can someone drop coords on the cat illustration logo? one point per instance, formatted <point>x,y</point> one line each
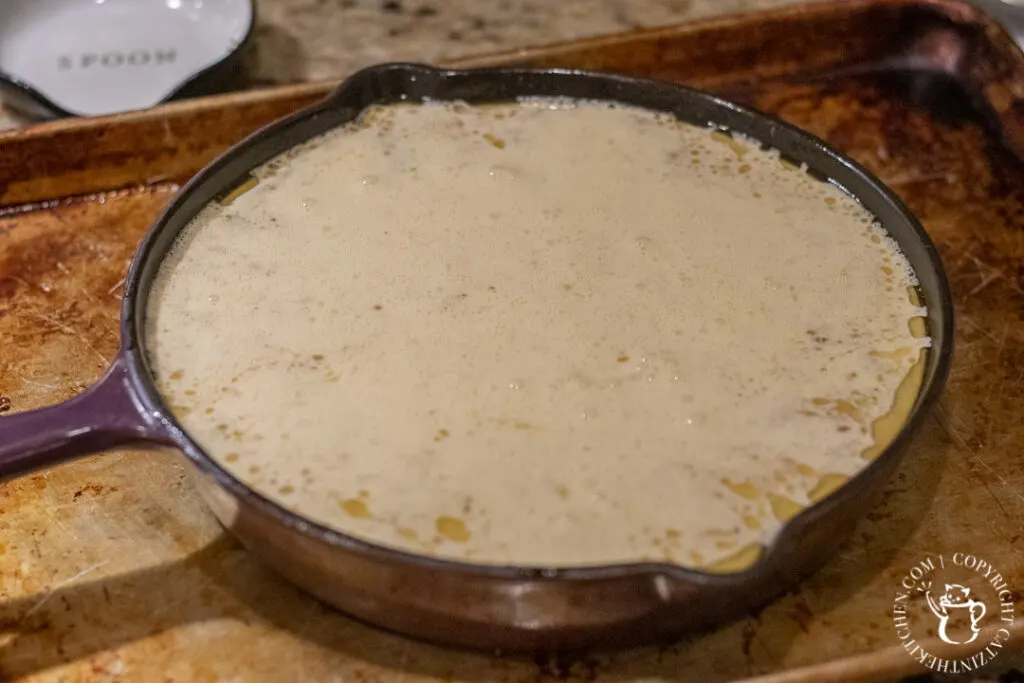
<point>956,597</point>
<point>972,603</point>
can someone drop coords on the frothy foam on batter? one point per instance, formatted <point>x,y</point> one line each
<point>541,333</point>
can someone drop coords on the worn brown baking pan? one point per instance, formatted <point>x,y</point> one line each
<point>134,580</point>
<point>514,608</point>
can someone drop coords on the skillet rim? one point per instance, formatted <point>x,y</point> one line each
<point>420,82</point>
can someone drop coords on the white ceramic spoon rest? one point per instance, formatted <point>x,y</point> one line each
<point>91,57</point>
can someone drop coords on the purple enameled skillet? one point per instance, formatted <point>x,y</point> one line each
<point>511,608</point>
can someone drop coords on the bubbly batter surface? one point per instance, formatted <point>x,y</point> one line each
<point>539,334</point>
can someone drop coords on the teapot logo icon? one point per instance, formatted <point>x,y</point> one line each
<point>955,601</point>
<point>959,608</point>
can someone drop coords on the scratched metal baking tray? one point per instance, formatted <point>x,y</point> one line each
<point>110,569</point>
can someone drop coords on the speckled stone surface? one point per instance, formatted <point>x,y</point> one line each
<point>304,40</point>
<point>323,39</point>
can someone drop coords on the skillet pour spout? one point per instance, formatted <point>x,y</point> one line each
<point>455,603</point>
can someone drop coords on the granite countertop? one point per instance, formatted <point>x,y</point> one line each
<point>308,40</point>
<point>323,39</point>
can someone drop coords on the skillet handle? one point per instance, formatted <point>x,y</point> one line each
<point>105,416</point>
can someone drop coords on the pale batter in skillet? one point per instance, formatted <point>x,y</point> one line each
<point>538,334</point>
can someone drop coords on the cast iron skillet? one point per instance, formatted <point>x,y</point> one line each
<point>510,608</point>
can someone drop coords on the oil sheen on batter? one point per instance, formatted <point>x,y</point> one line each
<point>539,334</point>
